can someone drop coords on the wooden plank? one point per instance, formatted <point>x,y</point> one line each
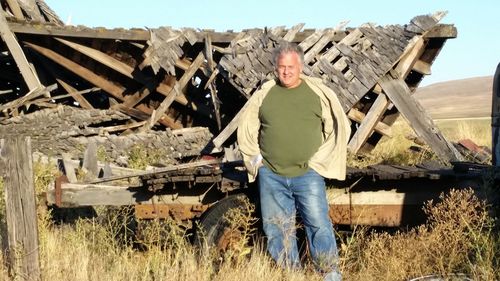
<point>311,40</point>
<point>290,34</point>
<point>75,195</point>
<point>409,58</point>
<point>380,127</point>
<point>103,58</point>
<point>113,89</point>
<point>17,53</point>
<point>121,127</point>
<point>79,32</point>
<point>90,161</point>
<point>400,95</point>
<point>442,31</point>
<point>16,10</point>
<point>20,208</point>
<point>69,167</point>
<point>369,122</point>
<point>422,67</point>
<point>75,94</point>
<point>211,71</point>
<point>30,7</point>
<point>322,42</point>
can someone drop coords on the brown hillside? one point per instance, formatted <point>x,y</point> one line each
<point>465,98</point>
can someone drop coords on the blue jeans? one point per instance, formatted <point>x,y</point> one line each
<point>280,198</point>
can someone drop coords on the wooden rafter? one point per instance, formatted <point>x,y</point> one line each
<point>399,93</point>
<point>17,53</point>
<point>130,72</point>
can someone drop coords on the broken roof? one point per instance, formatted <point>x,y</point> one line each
<point>185,78</point>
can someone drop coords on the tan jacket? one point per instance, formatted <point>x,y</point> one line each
<point>330,159</point>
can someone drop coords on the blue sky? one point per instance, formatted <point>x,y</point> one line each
<point>475,52</point>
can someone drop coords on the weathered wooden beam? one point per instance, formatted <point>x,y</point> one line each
<point>212,72</point>
<point>28,73</point>
<point>30,7</point>
<point>422,67</point>
<point>79,31</point>
<point>121,127</point>
<point>135,34</point>
<point>69,167</point>
<point>369,122</point>
<point>292,32</point>
<point>75,94</point>
<point>75,195</point>
<point>20,208</point>
<point>79,70</point>
<point>16,10</point>
<point>400,95</point>
<point>380,127</point>
<point>407,61</point>
<point>442,31</point>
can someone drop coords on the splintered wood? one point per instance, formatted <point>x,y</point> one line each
<point>168,79</point>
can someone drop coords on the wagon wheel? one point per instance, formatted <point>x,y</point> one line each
<point>218,229</point>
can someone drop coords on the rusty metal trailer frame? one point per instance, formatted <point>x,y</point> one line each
<point>380,195</point>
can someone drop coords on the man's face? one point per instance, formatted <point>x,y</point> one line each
<point>289,68</point>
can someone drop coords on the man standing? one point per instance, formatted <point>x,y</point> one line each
<point>293,133</point>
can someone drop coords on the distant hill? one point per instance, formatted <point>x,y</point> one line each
<point>464,98</point>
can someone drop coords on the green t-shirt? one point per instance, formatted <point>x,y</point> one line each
<point>290,130</point>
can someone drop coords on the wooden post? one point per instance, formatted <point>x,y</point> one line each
<point>21,209</point>
<point>495,117</point>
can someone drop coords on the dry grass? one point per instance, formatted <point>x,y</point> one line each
<point>400,148</point>
<point>405,148</point>
<point>477,130</point>
<point>459,237</point>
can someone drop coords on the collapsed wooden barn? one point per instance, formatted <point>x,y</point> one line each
<point>181,91</point>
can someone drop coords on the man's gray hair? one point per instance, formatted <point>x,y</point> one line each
<point>287,47</point>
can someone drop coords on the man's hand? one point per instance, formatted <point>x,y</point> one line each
<point>257,161</point>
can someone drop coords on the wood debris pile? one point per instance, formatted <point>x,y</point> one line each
<point>70,130</point>
<point>155,82</point>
